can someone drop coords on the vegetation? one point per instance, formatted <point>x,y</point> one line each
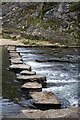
<point>74,7</point>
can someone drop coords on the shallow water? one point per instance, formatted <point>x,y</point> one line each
<point>61,78</point>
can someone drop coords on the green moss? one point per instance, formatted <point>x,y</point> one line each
<point>6,36</point>
<point>47,6</point>
<point>70,30</point>
<point>74,7</point>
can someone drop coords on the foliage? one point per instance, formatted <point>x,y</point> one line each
<point>74,7</point>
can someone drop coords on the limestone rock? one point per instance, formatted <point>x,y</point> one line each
<point>16,61</point>
<point>45,100</point>
<point>11,48</point>
<point>32,86</point>
<point>32,78</point>
<point>59,113</point>
<point>26,72</point>
<point>14,54</point>
<point>20,67</point>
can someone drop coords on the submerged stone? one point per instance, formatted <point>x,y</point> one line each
<point>20,67</point>
<point>27,78</point>
<point>26,72</point>
<point>54,60</point>
<point>45,100</point>
<point>32,86</point>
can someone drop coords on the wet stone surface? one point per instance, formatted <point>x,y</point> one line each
<point>20,67</point>
<point>26,72</point>
<point>14,55</point>
<point>59,113</point>
<point>11,48</point>
<point>32,86</point>
<point>27,78</point>
<point>45,100</point>
<point>16,61</point>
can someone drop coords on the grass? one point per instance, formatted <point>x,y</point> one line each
<point>6,36</point>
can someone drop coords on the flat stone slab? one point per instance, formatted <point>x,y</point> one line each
<point>26,72</point>
<point>54,60</point>
<point>52,113</point>
<point>27,78</point>
<point>32,86</point>
<point>14,55</point>
<point>20,67</point>
<point>11,48</point>
<point>16,61</point>
<point>13,51</point>
<point>45,100</point>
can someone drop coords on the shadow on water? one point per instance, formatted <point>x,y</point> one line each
<point>13,99</point>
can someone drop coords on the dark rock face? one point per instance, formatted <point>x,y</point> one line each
<point>49,21</point>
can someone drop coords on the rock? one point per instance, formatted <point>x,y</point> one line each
<point>14,55</point>
<point>14,58</point>
<point>11,48</point>
<point>19,67</point>
<point>13,36</point>
<point>32,86</point>
<point>55,60</point>
<point>38,52</point>
<point>52,113</point>
<point>26,72</point>
<point>45,100</point>
<point>13,51</point>
<point>16,61</point>
<point>32,78</point>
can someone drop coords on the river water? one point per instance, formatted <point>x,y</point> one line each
<point>62,78</point>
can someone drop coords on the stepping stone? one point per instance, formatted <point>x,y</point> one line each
<point>11,48</point>
<point>32,78</point>
<point>32,86</point>
<point>14,55</point>
<point>45,100</point>
<point>20,67</point>
<point>14,58</point>
<point>26,72</point>
<point>16,61</point>
<point>52,113</point>
<point>54,60</point>
<point>13,51</point>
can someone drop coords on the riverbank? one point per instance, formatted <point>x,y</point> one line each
<point>10,42</point>
<point>69,113</point>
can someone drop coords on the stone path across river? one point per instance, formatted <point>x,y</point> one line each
<point>40,99</point>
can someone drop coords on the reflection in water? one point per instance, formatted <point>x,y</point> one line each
<point>13,97</point>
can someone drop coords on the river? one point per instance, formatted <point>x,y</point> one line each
<point>62,78</point>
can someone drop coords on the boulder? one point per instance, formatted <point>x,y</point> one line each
<point>45,100</point>
<point>27,78</point>
<point>26,72</point>
<point>19,67</point>
<point>32,86</point>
